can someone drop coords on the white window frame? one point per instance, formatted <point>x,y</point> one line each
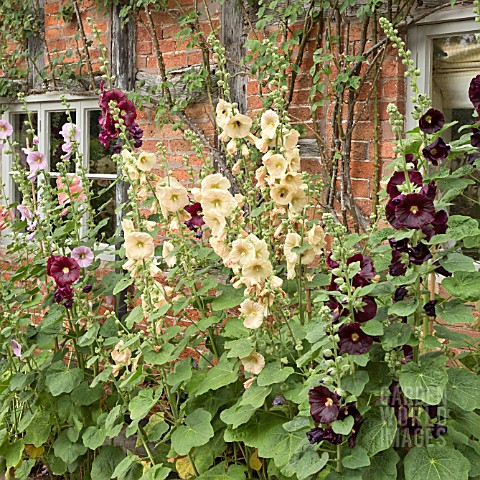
<point>450,21</point>
<point>42,105</point>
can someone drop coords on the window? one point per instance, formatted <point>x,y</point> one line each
<point>49,115</point>
<point>448,56</point>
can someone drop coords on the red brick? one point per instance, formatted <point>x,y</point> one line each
<point>52,8</point>
<point>175,60</point>
<point>361,188</point>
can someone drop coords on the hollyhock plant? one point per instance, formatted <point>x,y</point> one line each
<point>6,129</point>
<point>324,404</point>
<point>83,255</point>
<point>64,270</point>
<point>436,151</point>
<point>431,121</point>
<point>413,210</point>
<point>419,254</point>
<point>37,161</point>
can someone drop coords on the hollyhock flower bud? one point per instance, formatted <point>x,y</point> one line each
<point>431,121</point>
<point>429,308</point>
<point>87,288</point>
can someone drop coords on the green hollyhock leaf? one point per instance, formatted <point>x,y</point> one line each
<point>84,395</point>
<point>230,298</point>
<point>157,472</point>
<point>378,431</point>
<point>455,311</point>
<point>197,431</point>
<point>224,472</point>
<point>140,405</point>
<point>435,462</point>
<point>395,335</point>
<point>464,286</point>
<point>255,395</point>
<point>373,327</point>
<point>63,380</point>
<point>122,284</point>
<point>240,348</point>
<point>383,466</point>
<point>298,423</point>
<point>122,468</point>
<point>222,374</point>
<point>357,458</point>
<point>13,453</point>
<point>456,262</point>
<point>343,427</point>
<point>346,474</point>
<point>93,437</point>
<point>425,381</point>
<point>38,432</point>
<point>404,308</point>
<point>463,389</point>
<point>181,373</point>
<point>66,450</point>
<point>164,355</point>
<point>305,462</point>
<point>238,414</point>
<point>273,373</point>
<point>355,383</point>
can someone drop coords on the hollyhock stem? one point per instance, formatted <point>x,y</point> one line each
<point>339,458</point>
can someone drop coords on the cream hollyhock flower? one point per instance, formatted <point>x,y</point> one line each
<point>238,126</point>
<point>224,112</point>
<point>254,363</point>
<point>281,194</point>
<point>215,181</point>
<point>260,177</point>
<point>167,249</point>
<point>245,151</point>
<point>174,197</point>
<point>146,161</point>
<point>232,146</point>
<point>121,356</point>
<point>253,313</point>
<point>257,271</point>
<point>293,159</point>
<point>316,238</point>
<point>260,246</point>
<point>293,180</point>
<point>290,139</point>
<point>298,200</point>
<point>248,383</point>
<point>128,157</point>
<point>215,221</point>
<point>269,123</point>
<point>292,240</point>
<point>220,200</point>
<point>237,168</point>
<point>262,144</point>
<point>139,246</point>
<point>219,245</point>
<point>276,165</point>
<point>242,252</point>
<point>127,226</point>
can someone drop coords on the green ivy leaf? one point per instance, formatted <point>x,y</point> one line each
<point>38,432</point>
<point>181,373</point>
<point>63,381</point>
<point>223,471</point>
<point>378,431</point>
<point>13,453</point>
<point>122,284</point>
<point>425,381</point>
<point>197,431</point>
<point>463,389</point>
<point>404,308</point>
<point>305,462</point>
<point>238,414</point>
<point>140,405</point>
<point>157,472</point>
<point>435,462</point>
<point>255,395</point>
<point>373,327</point>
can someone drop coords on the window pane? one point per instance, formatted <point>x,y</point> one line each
<point>456,60</point>
<point>103,202</point>
<point>99,158</point>
<point>24,140</point>
<point>56,120</point>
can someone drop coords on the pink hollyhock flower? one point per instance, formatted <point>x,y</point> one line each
<point>6,129</point>
<point>70,132</point>
<point>35,140</point>
<point>4,217</point>
<point>37,161</point>
<point>25,213</point>
<point>83,255</point>
<point>75,188</point>
<point>64,270</point>
<point>16,348</point>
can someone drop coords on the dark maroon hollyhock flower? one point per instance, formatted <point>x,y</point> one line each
<point>412,427</point>
<point>432,410</point>
<point>127,112</point>
<point>431,121</point>
<point>414,210</point>
<point>397,267</point>
<point>87,288</point>
<point>439,225</point>
<point>398,178</point>
<point>400,294</point>
<point>474,93</point>
<point>323,404</point>
<point>137,134</point>
<point>396,398</point>
<point>50,261</point>
<point>63,293</point>
<point>353,340</point>
<point>438,430</point>
<point>419,254</point>
<point>69,303</point>
<point>108,96</point>
<point>315,435</point>
<point>407,351</point>
<point>331,263</point>
<point>399,245</point>
<point>350,410</point>
<point>410,158</point>
<point>391,215</point>
<point>65,271</point>
<point>367,270</point>
<point>429,308</point>
<point>475,139</point>
<point>196,220</point>
<point>429,190</point>
<point>367,311</point>
<point>440,270</point>
<point>436,151</point>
